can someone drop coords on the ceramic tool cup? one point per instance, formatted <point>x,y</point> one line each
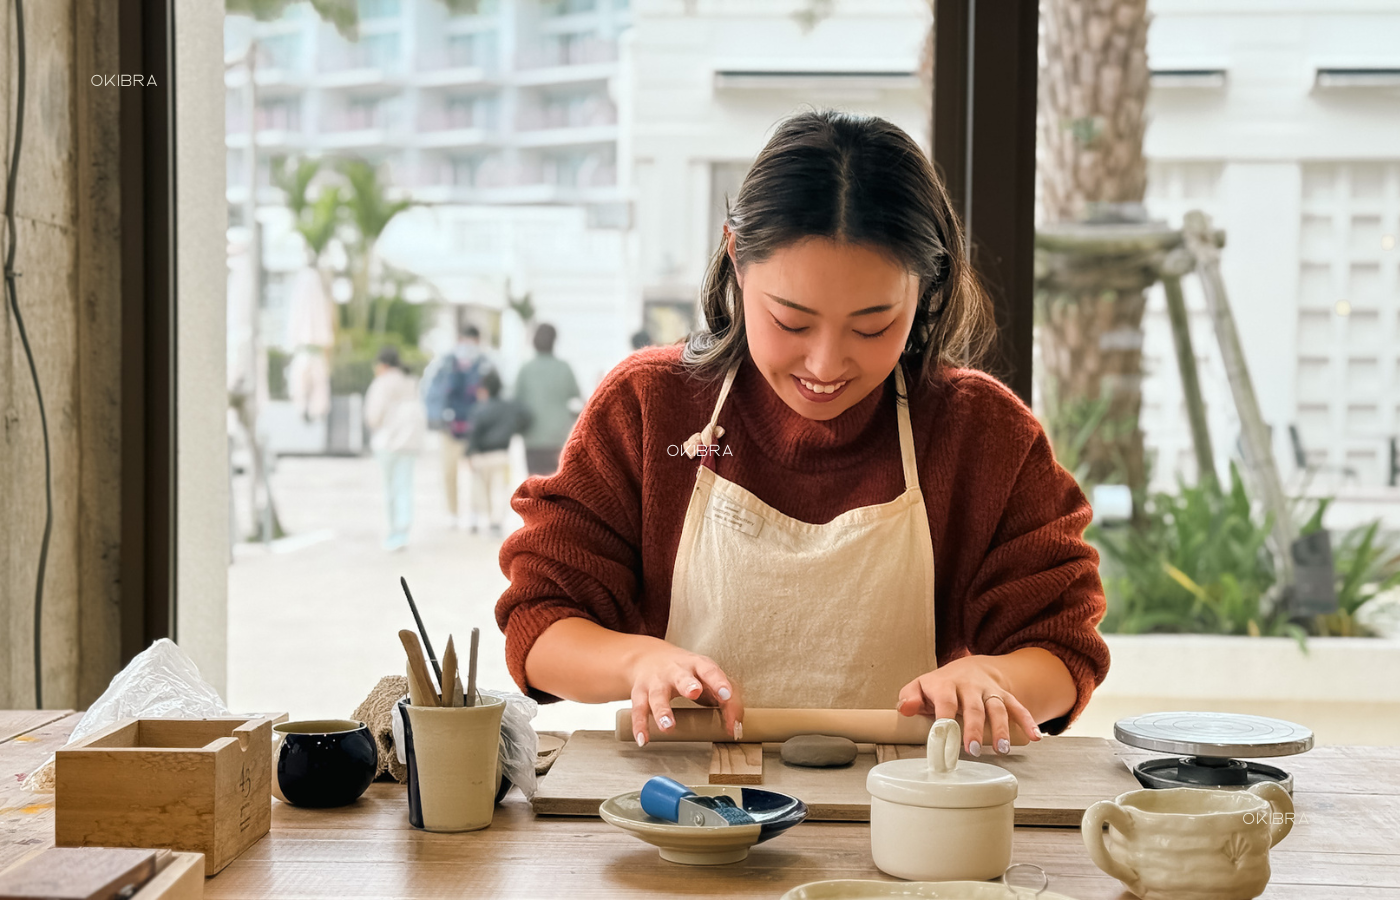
<point>453,764</point>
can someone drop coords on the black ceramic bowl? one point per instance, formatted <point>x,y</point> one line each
<point>326,762</point>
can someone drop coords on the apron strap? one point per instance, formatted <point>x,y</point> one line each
<point>906,431</point>
<point>712,431</point>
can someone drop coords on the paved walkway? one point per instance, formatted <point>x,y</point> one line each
<point>313,621</point>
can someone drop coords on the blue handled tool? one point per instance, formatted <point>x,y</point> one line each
<point>669,800</point>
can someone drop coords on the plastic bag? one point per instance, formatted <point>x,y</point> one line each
<point>519,744</point>
<point>160,681</point>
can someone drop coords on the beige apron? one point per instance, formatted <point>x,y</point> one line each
<point>836,616</point>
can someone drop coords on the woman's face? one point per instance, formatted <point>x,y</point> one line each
<point>826,321</point>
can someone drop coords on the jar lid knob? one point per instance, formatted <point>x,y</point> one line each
<point>944,745</point>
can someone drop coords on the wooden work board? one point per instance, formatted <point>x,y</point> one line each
<point>1059,777</point>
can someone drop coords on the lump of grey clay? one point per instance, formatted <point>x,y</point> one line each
<point>818,751</point>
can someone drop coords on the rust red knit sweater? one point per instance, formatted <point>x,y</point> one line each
<point>1011,567</point>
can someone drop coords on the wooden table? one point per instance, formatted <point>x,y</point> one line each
<point>1346,844</point>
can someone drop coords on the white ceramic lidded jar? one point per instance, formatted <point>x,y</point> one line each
<point>941,819</point>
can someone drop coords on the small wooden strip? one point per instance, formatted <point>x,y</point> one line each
<point>887,752</point>
<point>736,764</point>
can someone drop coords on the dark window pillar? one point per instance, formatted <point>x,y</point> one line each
<point>984,95</point>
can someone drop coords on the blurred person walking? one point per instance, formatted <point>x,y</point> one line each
<point>547,388</point>
<point>450,384</point>
<point>494,422</point>
<point>396,423</point>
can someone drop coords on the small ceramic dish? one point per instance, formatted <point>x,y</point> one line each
<point>712,845</point>
<point>915,890</point>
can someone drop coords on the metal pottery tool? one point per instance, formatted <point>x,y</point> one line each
<point>1211,740</point>
<point>420,683</point>
<point>470,693</point>
<point>423,632</point>
<point>669,800</point>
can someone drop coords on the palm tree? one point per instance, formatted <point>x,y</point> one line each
<point>1093,84</point>
<point>370,210</point>
<point>343,14</point>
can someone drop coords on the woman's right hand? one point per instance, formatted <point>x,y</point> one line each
<point>663,672</point>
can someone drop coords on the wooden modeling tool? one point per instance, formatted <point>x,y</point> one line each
<point>470,695</point>
<point>420,683</point>
<point>449,674</point>
<point>423,632</point>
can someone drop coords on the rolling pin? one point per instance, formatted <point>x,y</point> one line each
<point>864,726</point>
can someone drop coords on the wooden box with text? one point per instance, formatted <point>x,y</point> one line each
<point>194,785</point>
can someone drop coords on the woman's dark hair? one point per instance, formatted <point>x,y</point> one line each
<point>389,356</point>
<point>859,180</point>
<point>491,382</point>
<point>545,336</point>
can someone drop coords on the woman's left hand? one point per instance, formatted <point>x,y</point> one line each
<point>976,689</point>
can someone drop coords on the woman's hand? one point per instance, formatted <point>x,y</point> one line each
<point>976,688</point>
<point>663,672</point>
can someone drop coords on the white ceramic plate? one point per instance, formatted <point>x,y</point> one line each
<point>915,890</point>
<point>707,845</point>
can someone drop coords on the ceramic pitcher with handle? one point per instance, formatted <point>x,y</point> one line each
<point>1189,843</point>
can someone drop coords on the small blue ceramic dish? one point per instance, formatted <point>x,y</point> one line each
<point>708,845</point>
<point>322,763</point>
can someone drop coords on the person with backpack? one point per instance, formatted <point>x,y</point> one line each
<point>450,395</point>
<point>493,423</point>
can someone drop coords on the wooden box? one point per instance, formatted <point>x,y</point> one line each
<point>195,785</point>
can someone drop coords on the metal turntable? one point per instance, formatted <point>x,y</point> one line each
<point>1212,741</point>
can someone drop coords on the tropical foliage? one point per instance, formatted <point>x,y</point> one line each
<point>1197,563</point>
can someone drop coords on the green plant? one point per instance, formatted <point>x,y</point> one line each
<point>1196,563</point>
<point>1366,561</point>
<point>369,209</point>
<point>316,219</point>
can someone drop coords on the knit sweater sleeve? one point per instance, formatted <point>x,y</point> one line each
<point>577,553</point>
<point>1038,584</point>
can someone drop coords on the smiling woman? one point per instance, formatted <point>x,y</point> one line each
<point>795,566</point>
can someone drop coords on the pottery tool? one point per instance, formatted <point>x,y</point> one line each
<point>670,801</point>
<point>427,644</point>
<point>1211,740</point>
<point>469,696</point>
<point>420,683</point>
<point>450,695</point>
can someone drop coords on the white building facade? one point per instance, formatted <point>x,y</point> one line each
<point>709,80</point>
<point>1282,121</point>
